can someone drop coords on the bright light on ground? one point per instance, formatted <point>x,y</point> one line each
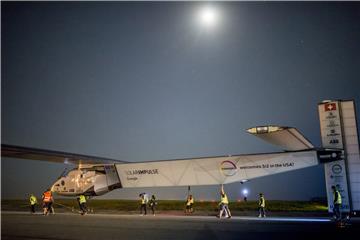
<point>208,16</point>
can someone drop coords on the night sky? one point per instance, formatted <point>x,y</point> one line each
<point>140,81</point>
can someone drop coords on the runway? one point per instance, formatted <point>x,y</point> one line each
<point>66,226</point>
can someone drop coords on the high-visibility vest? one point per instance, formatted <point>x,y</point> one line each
<point>82,199</point>
<point>224,199</point>
<point>190,201</point>
<point>47,196</point>
<point>33,200</point>
<point>338,195</point>
<point>262,202</point>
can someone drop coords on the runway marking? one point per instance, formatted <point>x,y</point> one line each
<point>163,216</point>
<point>285,219</point>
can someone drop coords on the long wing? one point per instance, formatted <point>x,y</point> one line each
<point>52,156</point>
<point>218,170</point>
<point>184,172</point>
<point>288,138</point>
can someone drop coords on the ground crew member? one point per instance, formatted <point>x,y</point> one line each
<point>189,204</point>
<point>143,204</point>
<point>152,204</point>
<point>261,205</point>
<point>33,202</point>
<point>82,202</point>
<point>224,204</point>
<point>337,203</point>
<point>47,201</point>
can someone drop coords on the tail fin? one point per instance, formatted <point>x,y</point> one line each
<point>288,138</point>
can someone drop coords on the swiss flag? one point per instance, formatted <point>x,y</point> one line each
<point>330,107</point>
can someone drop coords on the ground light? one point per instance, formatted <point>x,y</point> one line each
<point>208,16</point>
<point>245,192</point>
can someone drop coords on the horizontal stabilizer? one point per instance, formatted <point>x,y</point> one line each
<point>287,138</point>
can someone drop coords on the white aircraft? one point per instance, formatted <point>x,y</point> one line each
<point>94,176</point>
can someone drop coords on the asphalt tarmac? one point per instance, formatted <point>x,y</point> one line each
<point>66,226</point>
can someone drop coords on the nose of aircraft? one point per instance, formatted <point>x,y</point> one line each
<point>56,186</point>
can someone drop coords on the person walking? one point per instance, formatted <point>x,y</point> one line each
<point>337,203</point>
<point>152,204</point>
<point>82,202</point>
<point>189,204</point>
<point>261,205</point>
<point>33,202</point>
<point>143,204</point>
<point>224,204</point>
<point>47,199</point>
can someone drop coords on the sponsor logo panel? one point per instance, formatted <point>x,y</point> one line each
<point>228,168</point>
<point>331,133</point>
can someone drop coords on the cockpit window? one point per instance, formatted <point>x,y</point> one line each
<point>98,169</point>
<point>62,182</point>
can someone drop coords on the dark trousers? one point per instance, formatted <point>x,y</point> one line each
<point>337,212</point>
<point>83,207</point>
<point>189,208</point>
<point>143,206</point>
<point>227,210</point>
<point>49,207</point>
<point>32,207</point>
<point>261,211</point>
<point>153,209</point>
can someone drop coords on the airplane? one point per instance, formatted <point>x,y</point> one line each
<point>95,176</point>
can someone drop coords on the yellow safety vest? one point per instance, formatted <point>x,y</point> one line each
<point>224,200</point>
<point>262,202</point>
<point>338,201</point>
<point>33,200</point>
<point>190,201</point>
<point>82,199</point>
